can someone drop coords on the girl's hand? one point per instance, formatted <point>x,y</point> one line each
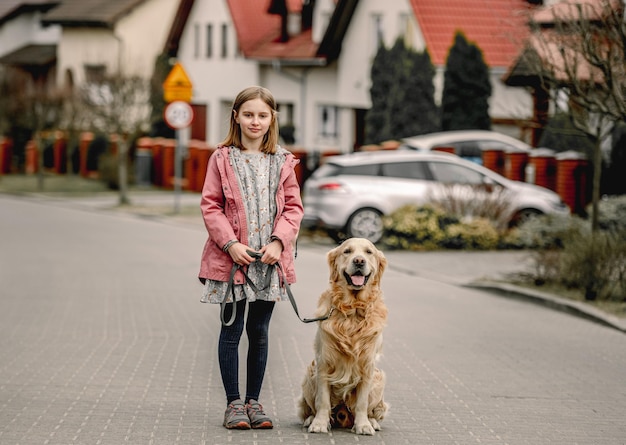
<point>271,252</point>
<point>238,252</point>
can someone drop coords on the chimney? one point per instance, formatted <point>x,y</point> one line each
<point>279,7</point>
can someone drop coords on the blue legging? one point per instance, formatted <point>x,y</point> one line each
<point>257,330</point>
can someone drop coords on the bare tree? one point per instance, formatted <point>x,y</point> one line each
<point>121,106</point>
<point>577,49</point>
<point>38,107</point>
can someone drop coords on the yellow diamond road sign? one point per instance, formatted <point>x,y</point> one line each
<point>177,85</point>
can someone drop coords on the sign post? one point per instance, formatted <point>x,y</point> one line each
<point>178,114</point>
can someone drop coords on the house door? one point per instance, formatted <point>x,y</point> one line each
<point>198,126</point>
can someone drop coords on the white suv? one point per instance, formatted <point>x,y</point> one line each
<point>348,195</point>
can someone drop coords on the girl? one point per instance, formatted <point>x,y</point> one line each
<point>250,203</point>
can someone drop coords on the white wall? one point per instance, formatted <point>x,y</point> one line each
<point>216,80</point>
<point>85,46</point>
<point>359,46</point>
<point>24,30</point>
<point>143,33</point>
<point>132,46</point>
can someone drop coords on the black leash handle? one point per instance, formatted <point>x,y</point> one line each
<point>268,276</point>
<point>230,288</point>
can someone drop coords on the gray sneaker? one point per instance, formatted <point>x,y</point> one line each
<point>258,418</point>
<point>235,417</point>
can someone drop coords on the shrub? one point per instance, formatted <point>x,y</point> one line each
<point>469,202</point>
<point>430,227</point>
<point>478,233</point>
<point>596,264</point>
<point>547,266</point>
<point>550,231</point>
<point>611,213</point>
<point>569,254</point>
<point>415,228</point>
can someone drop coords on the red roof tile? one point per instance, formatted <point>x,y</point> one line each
<point>498,27</point>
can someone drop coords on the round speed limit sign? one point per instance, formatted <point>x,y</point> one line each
<point>178,114</point>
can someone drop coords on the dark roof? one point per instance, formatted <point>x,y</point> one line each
<point>330,47</point>
<point>97,13</point>
<point>172,42</point>
<point>32,55</point>
<point>10,9</point>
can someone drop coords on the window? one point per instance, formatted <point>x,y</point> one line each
<point>224,40</point>
<point>451,173</point>
<point>468,149</point>
<point>329,169</point>
<point>196,40</point>
<point>95,73</point>
<point>328,116</point>
<point>209,41</point>
<point>376,34</point>
<point>97,90</point>
<point>406,29</point>
<point>285,113</point>
<point>408,170</point>
<point>362,170</point>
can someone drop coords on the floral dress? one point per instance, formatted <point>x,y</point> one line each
<point>258,175</point>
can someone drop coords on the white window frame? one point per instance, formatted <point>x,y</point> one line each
<point>328,121</point>
<point>376,33</point>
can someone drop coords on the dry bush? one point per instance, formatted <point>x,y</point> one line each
<point>469,202</point>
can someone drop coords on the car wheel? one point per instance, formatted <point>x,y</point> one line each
<point>524,215</point>
<point>366,223</point>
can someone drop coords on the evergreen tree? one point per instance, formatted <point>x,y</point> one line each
<point>466,91</point>
<point>377,117</point>
<point>402,95</point>
<point>422,112</point>
<point>401,67</point>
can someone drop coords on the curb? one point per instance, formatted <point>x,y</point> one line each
<point>571,307</point>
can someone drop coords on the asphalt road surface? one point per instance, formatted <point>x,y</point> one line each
<point>103,340</point>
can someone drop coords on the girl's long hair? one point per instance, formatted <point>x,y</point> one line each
<point>270,140</point>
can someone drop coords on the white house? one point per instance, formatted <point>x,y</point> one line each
<point>26,46</point>
<point>320,74</point>
<point>119,37</point>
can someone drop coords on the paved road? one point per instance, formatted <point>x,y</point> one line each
<point>103,341</point>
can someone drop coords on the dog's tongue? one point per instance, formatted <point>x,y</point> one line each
<point>358,280</point>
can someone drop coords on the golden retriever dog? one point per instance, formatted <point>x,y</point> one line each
<point>342,386</point>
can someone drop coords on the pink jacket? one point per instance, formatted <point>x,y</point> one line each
<point>225,217</point>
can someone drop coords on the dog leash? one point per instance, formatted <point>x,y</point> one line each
<point>230,288</point>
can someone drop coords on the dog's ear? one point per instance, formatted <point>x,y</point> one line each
<point>331,257</point>
<point>382,265</point>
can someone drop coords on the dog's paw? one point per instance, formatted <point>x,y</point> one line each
<point>308,421</point>
<point>364,428</point>
<point>319,425</point>
<point>374,423</point>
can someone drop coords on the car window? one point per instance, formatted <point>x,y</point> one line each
<point>468,149</point>
<point>452,173</point>
<point>361,170</point>
<point>495,145</point>
<point>410,170</point>
<point>326,170</point>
